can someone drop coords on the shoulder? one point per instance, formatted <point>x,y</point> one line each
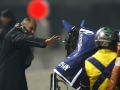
<point>88,63</point>
<point>15,30</point>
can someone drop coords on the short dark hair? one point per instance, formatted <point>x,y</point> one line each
<point>28,19</point>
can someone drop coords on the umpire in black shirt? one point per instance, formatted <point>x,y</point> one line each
<point>16,56</point>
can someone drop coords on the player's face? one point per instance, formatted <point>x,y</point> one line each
<point>31,27</point>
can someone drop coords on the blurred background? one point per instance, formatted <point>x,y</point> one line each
<point>97,13</point>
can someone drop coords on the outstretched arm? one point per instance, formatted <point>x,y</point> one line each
<point>19,38</point>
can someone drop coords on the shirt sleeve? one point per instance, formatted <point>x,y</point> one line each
<point>20,38</point>
<point>84,81</point>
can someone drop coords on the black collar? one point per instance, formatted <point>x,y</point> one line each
<point>18,25</point>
